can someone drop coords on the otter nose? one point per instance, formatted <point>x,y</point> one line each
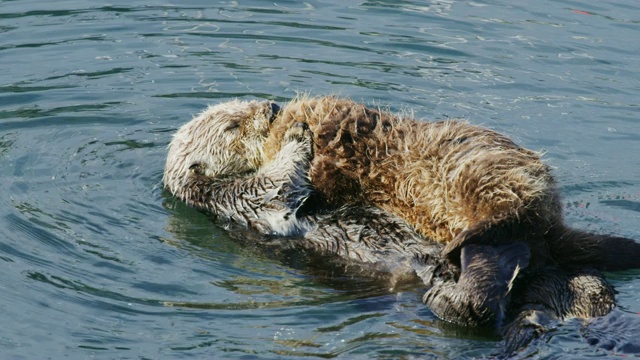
<point>275,109</point>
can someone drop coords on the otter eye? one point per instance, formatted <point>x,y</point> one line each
<point>232,126</point>
<point>196,168</point>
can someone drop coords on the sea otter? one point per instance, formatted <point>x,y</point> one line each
<point>214,164</point>
<point>453,182</point>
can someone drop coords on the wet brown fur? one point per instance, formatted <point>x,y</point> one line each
<point>450,180</point>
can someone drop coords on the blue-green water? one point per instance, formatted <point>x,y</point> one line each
<point>97,262</point>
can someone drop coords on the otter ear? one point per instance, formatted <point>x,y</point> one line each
<point>275,110</point>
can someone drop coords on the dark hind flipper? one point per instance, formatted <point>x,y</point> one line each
<point>481,294</point>
<point>574,249</point>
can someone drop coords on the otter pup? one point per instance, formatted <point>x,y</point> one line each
<point>454,182</point>
<point>213,164</point>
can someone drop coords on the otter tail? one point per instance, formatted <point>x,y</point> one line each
<point>575,248</point>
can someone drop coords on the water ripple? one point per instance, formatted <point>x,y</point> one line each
<point>100,262</point>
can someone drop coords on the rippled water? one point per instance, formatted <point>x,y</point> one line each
<point>97,261</point>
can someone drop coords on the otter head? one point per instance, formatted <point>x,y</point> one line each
<point>224,140</point>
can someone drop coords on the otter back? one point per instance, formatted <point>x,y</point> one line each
<point>444,178</point>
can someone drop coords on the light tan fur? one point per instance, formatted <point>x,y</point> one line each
<point>224,140</point>
<point>213,161</point>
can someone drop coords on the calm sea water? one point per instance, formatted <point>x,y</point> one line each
<point>97,262</point>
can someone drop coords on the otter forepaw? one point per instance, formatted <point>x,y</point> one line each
<point>300,133</point>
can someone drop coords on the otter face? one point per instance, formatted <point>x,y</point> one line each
<point>224,140</point>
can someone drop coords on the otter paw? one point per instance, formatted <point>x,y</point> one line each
<point>297,132</point>
<point>301,133</point>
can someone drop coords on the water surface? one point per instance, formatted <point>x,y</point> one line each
<point>98,262</point>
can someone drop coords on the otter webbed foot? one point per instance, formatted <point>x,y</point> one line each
<point>480,296</point>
